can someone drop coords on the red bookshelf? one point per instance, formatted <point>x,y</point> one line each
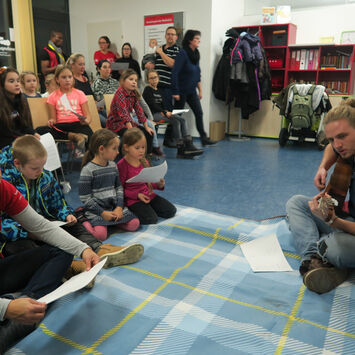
<point>329,65</point>
<point>275,39</point>
<point>322,64</point>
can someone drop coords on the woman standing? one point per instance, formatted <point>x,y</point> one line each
<point>127,58</point>
<point>104,52</point>
<point>77,63</point>
<point>186,76</point>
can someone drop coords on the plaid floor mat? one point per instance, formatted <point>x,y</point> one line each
<point>194,293</point>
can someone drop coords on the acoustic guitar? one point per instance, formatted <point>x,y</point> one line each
<point>337,188</point>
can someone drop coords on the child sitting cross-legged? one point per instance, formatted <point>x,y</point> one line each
<point>100,187</point>
<point>139,196</point>
<point>22,166</point>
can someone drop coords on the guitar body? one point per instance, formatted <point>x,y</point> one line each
<point>339,183</point>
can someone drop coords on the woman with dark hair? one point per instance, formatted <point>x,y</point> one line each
<point>104,52</point>
<point>15,115</point>
<point>104,84</point>
<point>186,77</point>
<point>127,58</point>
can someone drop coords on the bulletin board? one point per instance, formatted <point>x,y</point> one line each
<point>156,25</point>
<point>347,37</point>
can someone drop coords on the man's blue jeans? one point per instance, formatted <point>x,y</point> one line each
<point>310,235</point>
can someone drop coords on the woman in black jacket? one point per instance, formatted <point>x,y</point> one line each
<point>126,58</point>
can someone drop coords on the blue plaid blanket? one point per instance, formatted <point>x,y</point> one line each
<point>193,292</point>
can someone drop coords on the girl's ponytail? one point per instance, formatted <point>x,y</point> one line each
<point>101,137</point>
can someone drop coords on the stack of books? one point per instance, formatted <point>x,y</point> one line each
<point>304,59</point>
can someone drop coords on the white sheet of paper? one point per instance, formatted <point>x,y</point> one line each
<point>53,159</point>
<point>75,283</point>
<point>153,174</point>
<point>65,102</point>
<point>177,112</point>
<point>265,254</point>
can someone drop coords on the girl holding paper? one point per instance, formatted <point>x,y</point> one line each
<point>139,196</point>
<point>68,110</point>
<point>100,189</point>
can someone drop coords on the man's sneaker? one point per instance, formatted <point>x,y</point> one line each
<point>77,267</point>
<point>120,255</point>
<point>324,279</point>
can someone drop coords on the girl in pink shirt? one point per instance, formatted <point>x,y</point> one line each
<point>65,123</point>
<point>139,196</point>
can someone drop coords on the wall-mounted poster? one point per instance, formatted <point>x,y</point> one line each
<point>7,40</point>
<point>155,26</point>
<point>347,37</point>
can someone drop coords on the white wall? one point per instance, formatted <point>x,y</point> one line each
<point>225,14</point>
<point>315,22</point>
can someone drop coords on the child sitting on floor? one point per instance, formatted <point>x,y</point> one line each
<point>139,196</point>
<point>22,166</point>
<point>100,188</point>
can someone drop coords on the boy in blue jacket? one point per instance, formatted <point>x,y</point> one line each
<point>22,166</point>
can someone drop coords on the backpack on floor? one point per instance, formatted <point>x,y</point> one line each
<point>302,114</point>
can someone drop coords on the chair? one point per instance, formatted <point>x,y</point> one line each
<point>40,116</point>
<point>95,118</point>
<point>108,99</point>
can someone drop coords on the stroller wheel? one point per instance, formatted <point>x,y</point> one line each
<point>321,140</point>
<point>283,137</point>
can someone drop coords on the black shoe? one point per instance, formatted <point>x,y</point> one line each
<point>157,151</point>
<point>324,279</point>
<point>208,141</point>
<point>181,151</point>
<point>12,332</point>
<point>189,147</point>
<point>169,142</point>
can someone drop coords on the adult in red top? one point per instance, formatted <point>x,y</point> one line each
<point>36,271</point>
<point>104,53</point>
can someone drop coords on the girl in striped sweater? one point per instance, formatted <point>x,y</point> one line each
<point>100,188</point>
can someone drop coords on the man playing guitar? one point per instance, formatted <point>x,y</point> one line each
<point>323,234</point>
